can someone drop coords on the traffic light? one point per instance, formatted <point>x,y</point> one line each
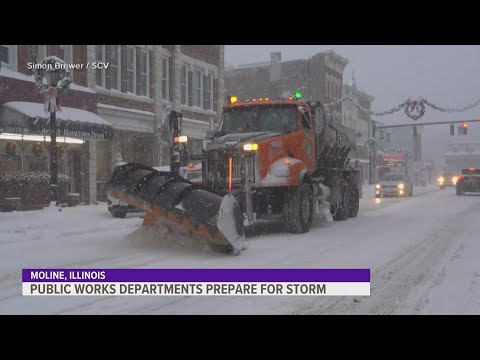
<point>452,129</point>
<point>381,135</point>
<point>465,128</point>
<point>414,131</point>
<point>388,137</point>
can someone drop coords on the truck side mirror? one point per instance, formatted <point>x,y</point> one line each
<point>211,133</point>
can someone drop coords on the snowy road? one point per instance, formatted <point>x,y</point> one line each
<point>422,252</point>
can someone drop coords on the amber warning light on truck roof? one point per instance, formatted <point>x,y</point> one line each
<point>232,99</point>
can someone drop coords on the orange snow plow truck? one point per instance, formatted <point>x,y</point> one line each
<point>269,161</point>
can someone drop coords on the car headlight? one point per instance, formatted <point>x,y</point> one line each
<point>441,179</point>
<point>377,186</point>
<point>454,179</point>
<point>401,186</point>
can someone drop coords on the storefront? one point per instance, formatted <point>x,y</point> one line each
<point>81,139</point>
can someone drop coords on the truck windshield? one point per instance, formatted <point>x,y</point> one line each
<point>392,177</point>
<point>275,118</point>
<point>471,171</point>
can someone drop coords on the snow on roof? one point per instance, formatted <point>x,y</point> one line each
<point>257,64</point>
<point>69,114</point>
<point>81,88</point>
<point>24,77</point>
<point>16,75</point>
<point>54,58</point>
<point>201,122</point>
<point>113,107</point>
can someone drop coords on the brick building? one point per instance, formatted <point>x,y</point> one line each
<point>132,95</point>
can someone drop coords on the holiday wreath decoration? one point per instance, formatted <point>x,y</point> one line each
<point>50,64</point>
<point>38,149</point>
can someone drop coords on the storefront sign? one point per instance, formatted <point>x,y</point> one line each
<point>93,135</point>
<point>394,160</point>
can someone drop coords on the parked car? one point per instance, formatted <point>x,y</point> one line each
<point>394,185</point>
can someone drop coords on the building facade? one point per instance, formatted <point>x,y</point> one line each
<point>463,149</point>
<point>133,95</point>
<point>359,120</point>
<point>317,78</point>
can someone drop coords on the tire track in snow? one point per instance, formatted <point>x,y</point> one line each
<point>392,282</point>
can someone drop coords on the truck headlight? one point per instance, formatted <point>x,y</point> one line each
<point>401,186</point>
<point>454,179</point>
<point>377,186</point>
<point>250,147</point>
<point>180,139</point>
<point>441,179</point>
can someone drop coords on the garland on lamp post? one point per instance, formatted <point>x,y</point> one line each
<point>413,108</point>
<point>48,65</point>
<point>52,79</point>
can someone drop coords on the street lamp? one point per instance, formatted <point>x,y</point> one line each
<point>371,143</point>
<point>51,81</point>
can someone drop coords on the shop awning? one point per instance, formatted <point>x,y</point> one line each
<point>195,129</point>
<point>20,117</point>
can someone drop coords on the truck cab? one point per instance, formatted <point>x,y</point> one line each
<point>275,154</point>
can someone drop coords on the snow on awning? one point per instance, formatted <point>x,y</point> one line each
<point>195,129</point>
<point>28,117</point>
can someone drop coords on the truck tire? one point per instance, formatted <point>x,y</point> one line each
<point>354,203</point>
<point>459,191</point>
<point>119,214</point>
<point>298,209</point>
<point>343,208</point>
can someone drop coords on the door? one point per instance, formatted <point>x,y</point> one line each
<point>74,169</point>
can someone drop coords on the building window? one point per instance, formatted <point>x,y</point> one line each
<point>143,86</point>
<point>131,69</point>
<point>39,53</point>
<point>99,73</point>
<point>208,100</point>
<point>184,84</point>
<point>98,57</point>
<point>8,56</point>
<point>113,71</point>
<point>197,88</point>
<point>34,53</point>
<point>165,79</point>
<point>65,52</point>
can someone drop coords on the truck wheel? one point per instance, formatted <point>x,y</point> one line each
<point>343,208</point>
<point>354,203</point>
<point>298,209</point>
<point>119,214</point>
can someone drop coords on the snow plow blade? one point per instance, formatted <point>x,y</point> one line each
<point>166,196</point>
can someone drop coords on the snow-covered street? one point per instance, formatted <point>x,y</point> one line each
<point>422,252</point>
